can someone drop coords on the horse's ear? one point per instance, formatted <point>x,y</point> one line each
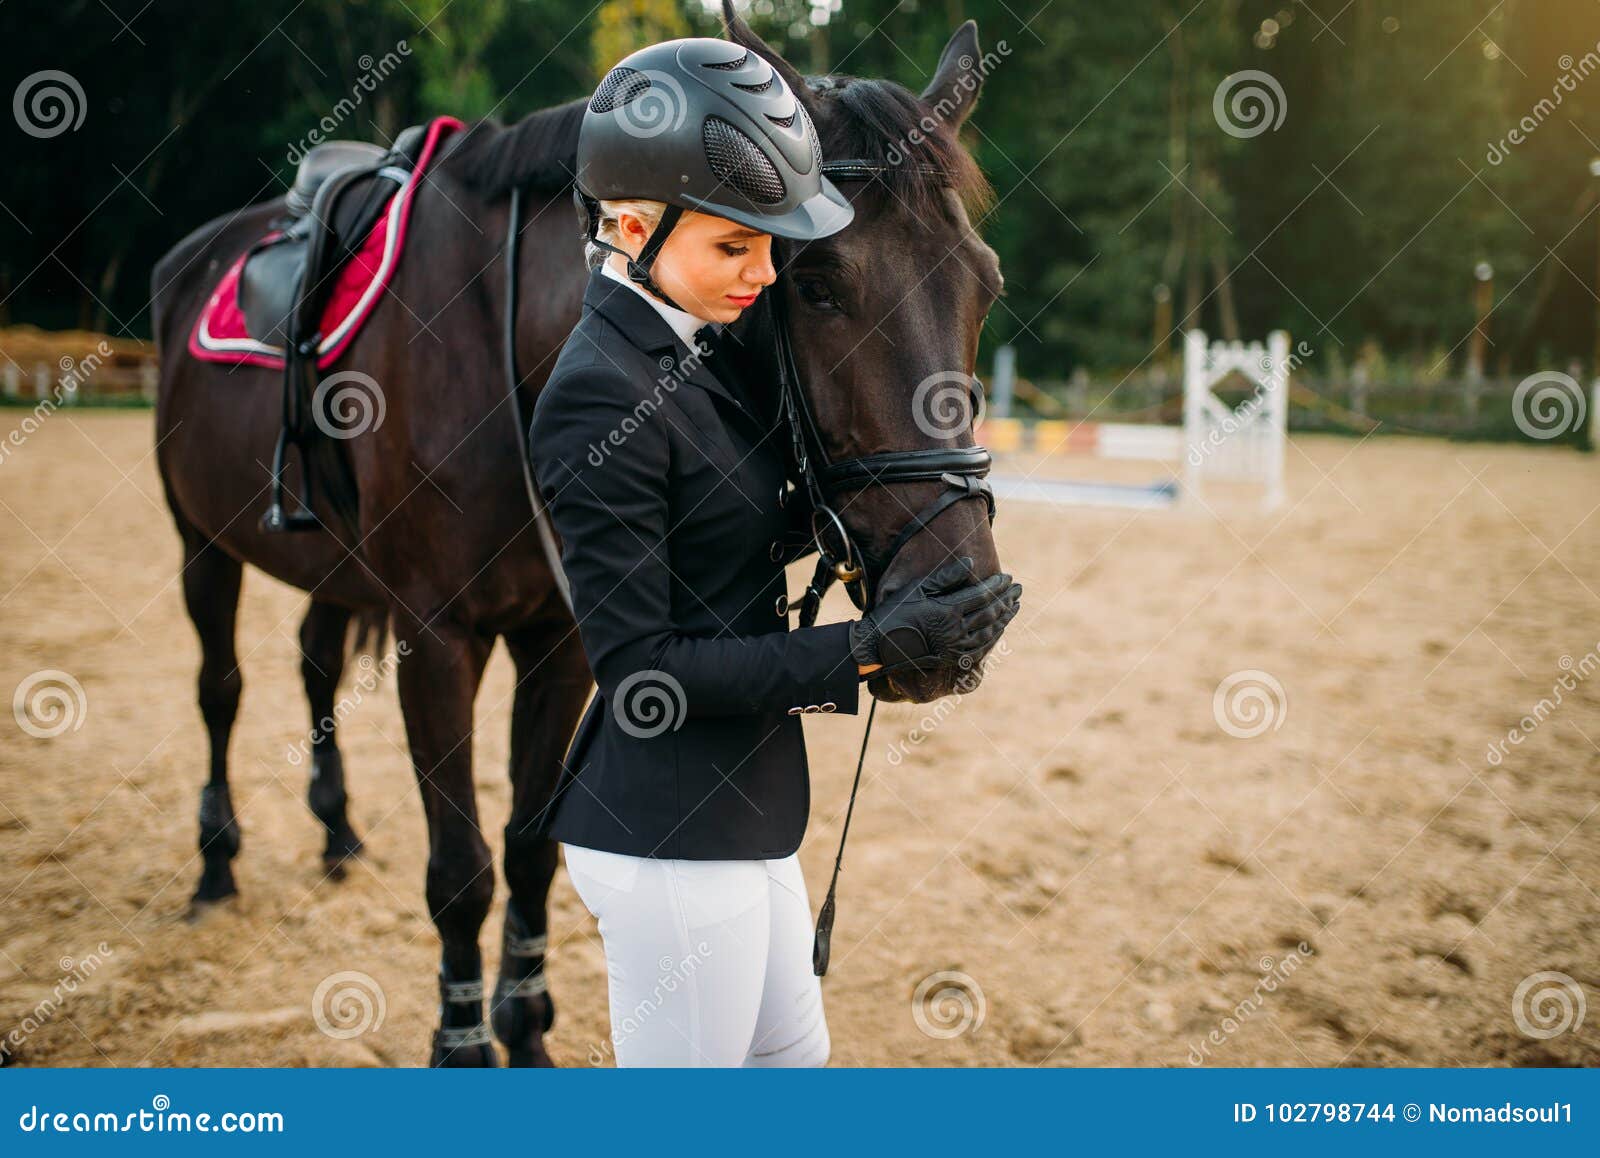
<point>739,32</point>
<point>953,91</point>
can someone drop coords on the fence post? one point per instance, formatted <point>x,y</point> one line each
<point>1359,379</point>
<point>1194,401</point>
<point>1005,379</point>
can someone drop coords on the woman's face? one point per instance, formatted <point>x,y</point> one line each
<point>712,267</point>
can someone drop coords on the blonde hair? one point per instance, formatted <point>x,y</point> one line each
<point>610,230</point>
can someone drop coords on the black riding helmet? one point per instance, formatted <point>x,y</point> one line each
<point>704,124</point>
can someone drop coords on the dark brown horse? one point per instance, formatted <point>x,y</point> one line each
<point>443,546</point>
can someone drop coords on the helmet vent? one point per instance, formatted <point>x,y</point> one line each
<point>811,131</point>
<point>620,86</point>
<point>728,65</point>
<point>781,122</point>
<point>762,87</point>
<point>738,161</point>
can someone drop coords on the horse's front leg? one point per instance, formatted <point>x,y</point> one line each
<point>438,682</point>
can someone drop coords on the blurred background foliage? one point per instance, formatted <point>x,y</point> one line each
<point>1356,224</point>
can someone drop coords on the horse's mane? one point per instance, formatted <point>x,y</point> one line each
<point>539,153</point>
<point>875,120</point>
<point>881,121</point>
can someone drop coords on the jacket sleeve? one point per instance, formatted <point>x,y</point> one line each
<point>602,458</point>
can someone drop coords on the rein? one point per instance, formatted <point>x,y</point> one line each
<point>839,557</point>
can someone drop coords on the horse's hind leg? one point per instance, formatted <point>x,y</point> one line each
<point>322,653</point>
<point>438,682</point>
<point>211,582</point>
<point>552,683</point>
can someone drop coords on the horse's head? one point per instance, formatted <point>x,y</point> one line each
<point>884,318</point>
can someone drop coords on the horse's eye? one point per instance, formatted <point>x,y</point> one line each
<point>816,293</point>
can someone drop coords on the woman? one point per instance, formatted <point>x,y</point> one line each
<point>684,794</point>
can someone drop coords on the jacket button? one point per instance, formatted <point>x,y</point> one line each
<point>782,605</point>
<point>812,708</point>
<point>830,706</point>
<point>775,550</point>
<point>796,710</point>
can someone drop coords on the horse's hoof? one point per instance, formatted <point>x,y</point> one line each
<point>514,1017</point>
<point>345,846</point>
<point>216,884</point>
<point>201,907</point>
<point>475,1055</point>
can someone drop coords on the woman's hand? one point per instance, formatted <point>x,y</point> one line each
<point>938,623</point>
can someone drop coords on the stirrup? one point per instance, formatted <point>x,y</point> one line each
<point>275,519</point>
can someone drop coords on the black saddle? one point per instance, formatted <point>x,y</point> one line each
<point>339,192</point>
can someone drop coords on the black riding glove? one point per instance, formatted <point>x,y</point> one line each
<point>937,623</point>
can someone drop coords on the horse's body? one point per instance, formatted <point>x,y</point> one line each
<point>444,548</point>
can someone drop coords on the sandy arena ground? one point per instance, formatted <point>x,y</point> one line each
<point>1080,865</point>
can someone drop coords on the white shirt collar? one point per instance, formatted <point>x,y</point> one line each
<point>683,323</point>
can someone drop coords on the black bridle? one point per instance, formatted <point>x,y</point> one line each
<point>838,556</point>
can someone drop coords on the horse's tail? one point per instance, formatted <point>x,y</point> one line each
<point>371,627</point>
<point>338,494</point>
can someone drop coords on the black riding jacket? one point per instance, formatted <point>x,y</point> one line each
<point>667,485</point>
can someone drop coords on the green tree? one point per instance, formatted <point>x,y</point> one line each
<point>623,26</point>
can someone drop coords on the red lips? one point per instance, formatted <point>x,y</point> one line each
<point>741,302</point>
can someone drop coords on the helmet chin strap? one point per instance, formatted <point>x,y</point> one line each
<point>638,268</point>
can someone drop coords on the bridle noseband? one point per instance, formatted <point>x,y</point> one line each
<point>839,557</point>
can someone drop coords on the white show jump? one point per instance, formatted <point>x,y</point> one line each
<point>1216,441</point>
